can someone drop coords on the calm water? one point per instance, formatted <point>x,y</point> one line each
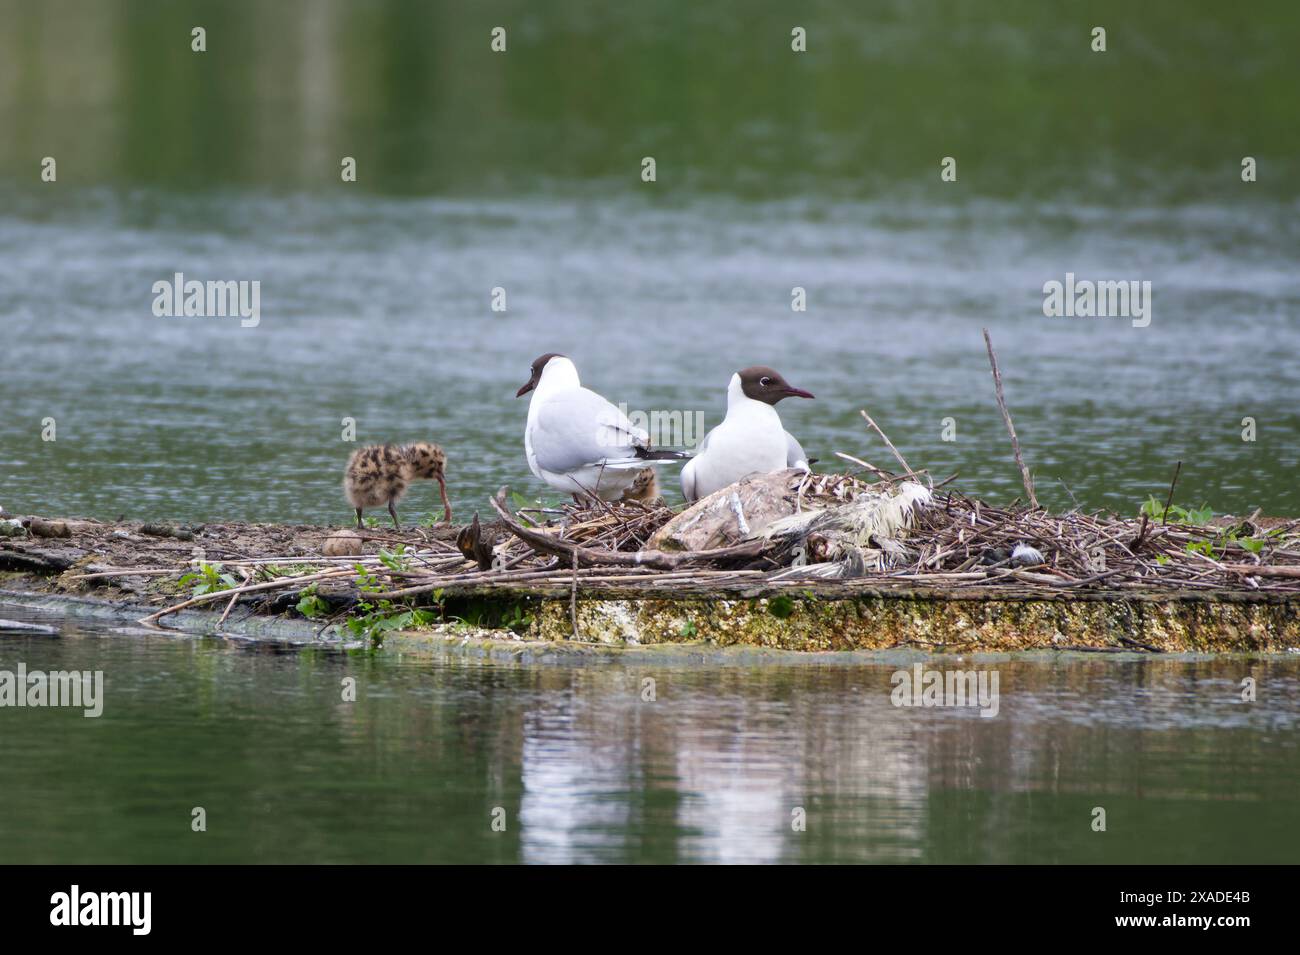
<point>521,171</point>
<point>584,770</point>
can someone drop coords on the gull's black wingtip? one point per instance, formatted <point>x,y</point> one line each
<point>650,454</point>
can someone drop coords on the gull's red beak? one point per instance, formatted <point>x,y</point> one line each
<point>531,384</point>
<point>797,392</point>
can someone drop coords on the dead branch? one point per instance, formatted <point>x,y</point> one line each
<point>1011,428</point>
<point>590,557</point>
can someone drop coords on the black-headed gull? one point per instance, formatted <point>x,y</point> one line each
<point>750,439</point>
<point>576,441</point>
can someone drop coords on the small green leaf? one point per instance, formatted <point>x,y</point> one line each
<point>780,607</point>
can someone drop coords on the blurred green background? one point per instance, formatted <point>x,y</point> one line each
<point>587,87</point>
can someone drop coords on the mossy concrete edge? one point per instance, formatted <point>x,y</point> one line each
<point>796,623</point>
<point>878,622</point>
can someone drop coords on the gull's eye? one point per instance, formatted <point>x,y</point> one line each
<point>764,381</point>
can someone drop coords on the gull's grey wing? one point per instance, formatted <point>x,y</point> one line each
<point>578,428</point>
<point>794,456</point>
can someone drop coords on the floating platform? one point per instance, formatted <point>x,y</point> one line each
<point>256,574</point>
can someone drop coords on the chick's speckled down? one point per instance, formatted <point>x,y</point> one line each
<point>376,475</point>
<point>427,460</point>
<point>645,489</point>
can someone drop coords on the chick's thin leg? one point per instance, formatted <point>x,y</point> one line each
<point>359,524</point>
<point>392,510</point>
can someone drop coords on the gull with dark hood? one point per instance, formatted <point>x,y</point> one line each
<point>750,440</point>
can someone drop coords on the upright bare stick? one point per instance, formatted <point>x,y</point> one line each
<point>1164,518</point>
<point>1011,428</point>
<point>889,444</point>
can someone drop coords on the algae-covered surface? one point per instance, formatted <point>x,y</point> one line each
<point>879,621</point>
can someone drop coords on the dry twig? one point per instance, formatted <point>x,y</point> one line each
<point>1011,428</point>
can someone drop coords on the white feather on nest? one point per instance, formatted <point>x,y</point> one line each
<point>851,539</point>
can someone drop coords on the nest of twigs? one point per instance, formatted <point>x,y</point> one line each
<point>960,542</point>
<point>617,527</point>
<point>964,541</point>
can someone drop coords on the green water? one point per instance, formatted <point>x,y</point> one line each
<point>582,768</point>
<point>521,171</point>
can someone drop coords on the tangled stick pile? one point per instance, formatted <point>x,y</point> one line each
<point>961,540</point>
<point>951,541</point>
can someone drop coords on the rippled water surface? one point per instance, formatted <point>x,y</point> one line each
<point>585,770</point>
<point>376,309</point>
<point>520,171</point>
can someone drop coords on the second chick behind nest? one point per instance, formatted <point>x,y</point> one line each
<point>644,489</point>
<point>380,475</point>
